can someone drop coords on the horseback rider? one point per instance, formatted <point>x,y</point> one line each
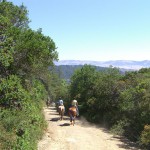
<point>60,102</point>
<point>75,104</point>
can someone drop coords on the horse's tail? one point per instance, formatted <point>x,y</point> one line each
<point>61,110</point>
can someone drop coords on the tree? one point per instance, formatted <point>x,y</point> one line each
<point>34,53</point>
<point>25,56</point>
<point>82,83</point>
<point>12,20</point>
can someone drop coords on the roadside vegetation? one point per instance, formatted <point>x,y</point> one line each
<point>25,80</point>
<point>119,102</point>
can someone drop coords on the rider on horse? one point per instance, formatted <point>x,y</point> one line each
<point>60,102</point>
<point>60,108</point>
<point>75,104</point>
<point>73,111</point>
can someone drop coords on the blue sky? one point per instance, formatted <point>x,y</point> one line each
<point>94,29</point>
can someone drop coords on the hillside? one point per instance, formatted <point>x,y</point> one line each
<point>66,71</point>
<point>126,64</point>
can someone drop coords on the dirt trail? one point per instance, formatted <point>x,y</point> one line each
<point>83,136</point>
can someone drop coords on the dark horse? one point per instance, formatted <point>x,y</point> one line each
<point>47,103</point>
<point>72,114</point>
<point>61,110</point>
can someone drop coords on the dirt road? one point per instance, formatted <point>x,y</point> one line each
<point>83,136</point>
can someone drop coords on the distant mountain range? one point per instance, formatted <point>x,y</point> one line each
<point>126,64</point>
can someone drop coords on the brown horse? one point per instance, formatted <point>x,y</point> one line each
<point>61,110</point>
<point>72,114</point>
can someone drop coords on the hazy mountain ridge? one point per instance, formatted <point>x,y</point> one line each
<point>126,64</point>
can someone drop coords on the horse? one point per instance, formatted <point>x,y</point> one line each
<point>61,110</point>
<point>72,114</point>
<point>47,103</point>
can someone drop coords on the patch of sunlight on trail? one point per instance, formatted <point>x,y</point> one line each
<point>71,140</point>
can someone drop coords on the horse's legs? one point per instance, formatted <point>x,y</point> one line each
<point>70,120</point>
<point>62,117</point>
<point>73,121</point>
<point>61,114</point>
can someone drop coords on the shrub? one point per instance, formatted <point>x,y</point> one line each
<point>145,137</point>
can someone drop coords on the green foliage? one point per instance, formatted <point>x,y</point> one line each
<point>11,18</point>
<point>57,87</point>
<point>66,71</point>
<point>6,44</point>
<point>120,102</point>
<point>25,125</point>
<point>134,100</point>
<point>97,92</point>
<point>34,52</point>
<point>82,83</point>
<point>25,79</point>
<point>17,16</point>
<point>145,137</point>
<point>119,127</point>
<point>12,92</point>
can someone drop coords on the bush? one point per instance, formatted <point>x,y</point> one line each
<point>145,137</point>
<point>118,128</point>
<point>21,128</point>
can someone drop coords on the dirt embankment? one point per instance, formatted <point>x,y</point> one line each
<point>83,136</point>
